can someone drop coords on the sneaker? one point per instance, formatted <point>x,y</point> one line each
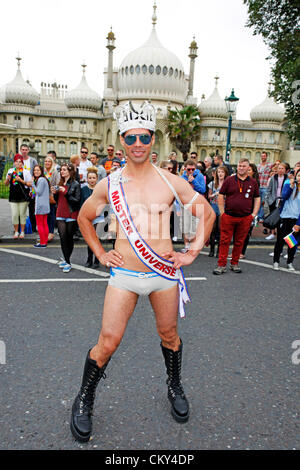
<point>220,270</point>
<point>235,268</point>
<point>290,267</point>
<point>67,268</point>
<point>272,254</point>
<point>270,237</point>
<point>62,264</point>
<point>276,266</point>
<point>39,245</point>
<point>174,239</point>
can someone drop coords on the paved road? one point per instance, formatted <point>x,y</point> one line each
<point>238,372</point>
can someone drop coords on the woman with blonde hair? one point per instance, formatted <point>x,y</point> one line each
<point>53,176</point>
<point>213,192</point>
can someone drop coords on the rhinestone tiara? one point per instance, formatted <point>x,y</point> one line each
<point>138,117</point>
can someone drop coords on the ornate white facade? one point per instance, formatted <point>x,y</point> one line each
<point>63,120</point>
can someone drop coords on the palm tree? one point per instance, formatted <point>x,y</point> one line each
<point>183,127</point>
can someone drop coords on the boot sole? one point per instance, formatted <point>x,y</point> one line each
<point>77,436</point>
<point>179,418</point>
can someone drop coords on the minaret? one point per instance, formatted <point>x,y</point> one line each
<point>110,46</point>
<point>154,16</point>
<point>192,56</point>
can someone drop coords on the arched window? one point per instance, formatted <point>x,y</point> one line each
<point>61,148</point>
<point>17,121</point>
<point>272,138</point>
<point>144,69</point>
<point>25,141</point>
<point>82,127</point>
<point>38,145</point>
<point>165,70</point>
<point>171,71</point>
<point>30,120</point>
<point>257,157</point>
<point>204,134</point>
<point>176,73</point>
<point>4,119</point>
<point>151,69</point>
<point>51,124</point>
<point>248,155</point>
<point>50,145</point>
<point>73,147</point>
<point>70,124</point>
<point>5,146</point>
<point>240,137</point>
<point>158,70</point>
<point>131,69</point>
<point>203,154</point>
<point>95,147</point>
<point>95,126</point>
<point>137,69</point>
<point>259,138</point>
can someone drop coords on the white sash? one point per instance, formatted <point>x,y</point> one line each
<point>144,252</point>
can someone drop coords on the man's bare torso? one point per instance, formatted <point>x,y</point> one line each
<point>150,204</point>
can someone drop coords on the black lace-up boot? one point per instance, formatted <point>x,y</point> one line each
<point>82,409</point>
<point>180,405</point>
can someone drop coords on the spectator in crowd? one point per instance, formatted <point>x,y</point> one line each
<point>289,220</point>
<point>213,193</point>
<point>84,164</point>
<point>274,189</point>
<point>208,169</point>
<point>28,164</point>
<point>121,156</point>
<point>68,194</point>
<point>95,162</point>
<point>86,192</point>
<point>238,202</point>
<point>194,157</point>
<point>41,190</point>
<point>172,156</point>
<point>154,158</point>
<point>75,160</point>
<point>53,176</point>
<point>174,164</point>
<point>253,173</point>
<point>107,161</point>
<point>52,154</point>
<point>18,180</point>
<point>264,168</point>
<point>218,161</point>
<point>189,223</point>
<point>116,164</point>
<point>201,166</point>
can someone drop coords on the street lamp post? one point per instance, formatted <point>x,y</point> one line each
<point>231,104</point>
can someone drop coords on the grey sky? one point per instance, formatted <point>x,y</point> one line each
<point>54,37</point>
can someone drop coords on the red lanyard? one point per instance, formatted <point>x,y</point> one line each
<point>239,185</point>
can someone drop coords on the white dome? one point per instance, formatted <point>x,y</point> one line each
<point>214,106</point>
<point>19,92</point>
<point>152,72</point>
<point>83,97</point>
<point>268,110</point>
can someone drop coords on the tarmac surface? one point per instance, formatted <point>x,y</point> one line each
<point>240,371</point>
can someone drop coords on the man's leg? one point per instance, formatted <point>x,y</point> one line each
<point>241,231</point>
<point>165,306</point>
<point>118,307</point>
<point>226,233</point>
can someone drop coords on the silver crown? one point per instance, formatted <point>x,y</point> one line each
<point>141,117</point>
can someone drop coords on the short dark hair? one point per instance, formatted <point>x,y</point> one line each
<point>24,145</point>
<point>95,153</point>
<point>84,147</point>
<point>194,153</point>
<point>51,152</point>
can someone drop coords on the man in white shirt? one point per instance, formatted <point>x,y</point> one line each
<point>84,164</point>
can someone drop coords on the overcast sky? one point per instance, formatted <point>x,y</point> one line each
<point>54,37</point>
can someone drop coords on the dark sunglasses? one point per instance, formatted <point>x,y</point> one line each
<point>190,169</point>
<point>84,152</point>
<point>145,139</point>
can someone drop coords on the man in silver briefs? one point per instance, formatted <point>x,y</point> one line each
<point>149,193</point>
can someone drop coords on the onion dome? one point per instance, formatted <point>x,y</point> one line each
<point>214,106</point>
<point>152,72</point>
<point>268,110</point>
<point>18,91</point>
<point>83,97</point>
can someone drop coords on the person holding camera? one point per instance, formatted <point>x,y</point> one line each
<point>289,220</point>
<point>68,197</point>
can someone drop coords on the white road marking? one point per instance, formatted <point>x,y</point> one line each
<point>53,261</point>
<point>6,281</point>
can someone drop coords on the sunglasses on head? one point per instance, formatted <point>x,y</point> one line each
<point>145,139</point>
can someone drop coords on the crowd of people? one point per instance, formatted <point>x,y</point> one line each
<point>53,194</point>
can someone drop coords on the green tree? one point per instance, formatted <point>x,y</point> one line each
<point>183,128</point>
<point>278,22</point>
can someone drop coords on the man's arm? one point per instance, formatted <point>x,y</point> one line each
<point>93,207</point>
<point>256,206</point>
<point>221,203</point>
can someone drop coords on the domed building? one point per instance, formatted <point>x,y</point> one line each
<point>62,120</point>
